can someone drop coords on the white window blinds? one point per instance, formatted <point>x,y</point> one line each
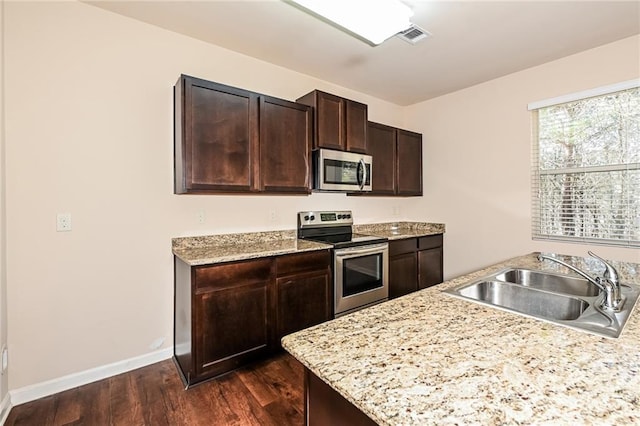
<point>586,169</point>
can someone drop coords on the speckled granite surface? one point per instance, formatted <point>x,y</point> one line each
<point>400,230</point>
<point>208,249</point>
<point>428,358</point>
<point>230,247</point>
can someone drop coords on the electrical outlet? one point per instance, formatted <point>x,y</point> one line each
<point>201,216</point>
<point>63,222</point>
<point>273,215</point>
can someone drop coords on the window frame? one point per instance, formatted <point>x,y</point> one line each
<point>537,174</point>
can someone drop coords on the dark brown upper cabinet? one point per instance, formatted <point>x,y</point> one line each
<point>340,123</point>
<point>409,163</point>
<point>285,146</point>
<point>397,161</point>
<point>230,140</point>
<point>381,141</point>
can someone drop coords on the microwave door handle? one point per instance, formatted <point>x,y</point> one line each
<point>361,166</point>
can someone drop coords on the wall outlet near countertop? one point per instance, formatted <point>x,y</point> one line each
<point>63,222</point>
<point>201,217</point>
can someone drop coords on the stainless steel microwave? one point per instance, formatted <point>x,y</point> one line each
<point>341,171</point>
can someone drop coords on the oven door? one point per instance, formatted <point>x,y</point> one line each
<point>342,171</point>
<point>361,277</point>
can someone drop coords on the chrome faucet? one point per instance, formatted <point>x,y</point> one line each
<point>608,283</point>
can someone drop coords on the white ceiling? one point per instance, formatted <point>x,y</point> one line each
<point>472,41</point>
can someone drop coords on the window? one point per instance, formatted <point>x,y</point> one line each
<point>586,167</point>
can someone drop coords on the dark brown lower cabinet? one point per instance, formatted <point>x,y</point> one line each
<point>430,260</point>
<point>414,264</point>
<point>403,267</point>
<point>324,406</point>
<point>227,315</point>
<point>303,291</point>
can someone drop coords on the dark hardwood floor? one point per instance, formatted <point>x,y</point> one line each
<point>267,393</point>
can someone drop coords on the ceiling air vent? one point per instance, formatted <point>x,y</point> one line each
<point>413,34</point>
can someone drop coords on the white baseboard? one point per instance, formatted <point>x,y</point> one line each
<point>5,408</point>
<point>50,387</point>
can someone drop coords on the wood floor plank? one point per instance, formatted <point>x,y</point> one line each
<point>254,381</point>
<point>67,408</point>
<point>125,407</point>
<point>39,412</point>
<point>283,413</point>
<point>94,400</point>
<point>263,394</point>
<point>285,381</point>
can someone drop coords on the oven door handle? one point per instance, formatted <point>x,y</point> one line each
<point>359,251</point>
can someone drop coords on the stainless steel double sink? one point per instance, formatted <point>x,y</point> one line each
<point>567,300</point>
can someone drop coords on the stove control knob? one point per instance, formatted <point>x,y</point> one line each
<point>339,216</point>
<point>312,218</point>
<point>306,218</point>
<point>348,216</point>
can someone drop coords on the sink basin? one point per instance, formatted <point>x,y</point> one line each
<point>557,283</point>
<point>559,299</point>
<point>525,300</point>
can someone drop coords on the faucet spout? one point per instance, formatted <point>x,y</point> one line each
<point>608,283</point>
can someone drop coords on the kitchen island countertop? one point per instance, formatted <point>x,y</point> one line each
<point>429,358</point>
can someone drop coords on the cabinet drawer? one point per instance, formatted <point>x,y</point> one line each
<point>233,274</point>
<point>301,262</point>
<point>431,241</point>
<point>408,245</point>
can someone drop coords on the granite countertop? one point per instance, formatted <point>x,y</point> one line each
<point>430,358</point>
<point>204,250</point>
<point>231,247</point>
<point>401,230</point>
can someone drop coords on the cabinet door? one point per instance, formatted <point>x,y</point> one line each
<point>303,300</point>
<point>304,291</point>
<point>381,143</point>
<point>409,163</point>
<point>231,315</point>
<point>355,126</point>
<point>216,137</point>
<point>403,274</point>
<point>430,267</point>
<point>285,146</point>
<point>329,121</point>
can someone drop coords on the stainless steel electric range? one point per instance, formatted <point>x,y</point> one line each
<point>360,262</point>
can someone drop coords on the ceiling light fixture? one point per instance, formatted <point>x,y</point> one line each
<point>373,20</point>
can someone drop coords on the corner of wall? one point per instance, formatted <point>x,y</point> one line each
<point>5,406</point>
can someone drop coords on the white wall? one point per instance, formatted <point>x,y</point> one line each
<point>89,132</point>
<point>477,156</point>
<point>3,247</point>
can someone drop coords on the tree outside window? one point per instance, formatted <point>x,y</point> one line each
<point>587,170</point>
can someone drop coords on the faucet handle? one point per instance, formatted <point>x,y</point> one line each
<point>609,272</point>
